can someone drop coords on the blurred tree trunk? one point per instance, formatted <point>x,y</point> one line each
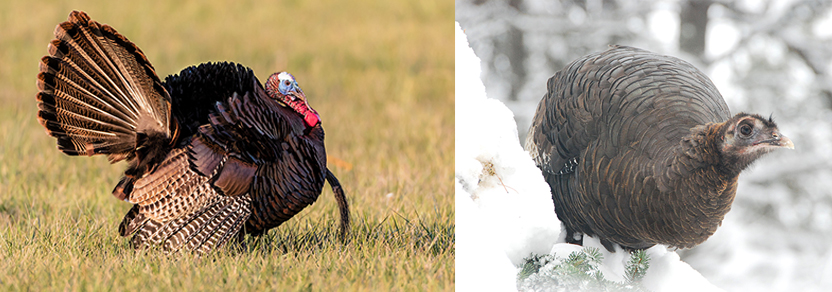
<point>514,54</point>
<point>595,6</point>
<point>693,26</point>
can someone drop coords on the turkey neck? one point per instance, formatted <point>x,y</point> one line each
<point>697,175</point>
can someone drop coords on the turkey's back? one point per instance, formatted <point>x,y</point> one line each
<point>607,124</point>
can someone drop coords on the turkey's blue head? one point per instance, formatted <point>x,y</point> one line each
<point>283,87</point>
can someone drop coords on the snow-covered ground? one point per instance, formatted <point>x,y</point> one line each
<point>504,211</point>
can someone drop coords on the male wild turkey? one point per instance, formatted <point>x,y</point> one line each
<point>640,149</point>
<point>211,153</point>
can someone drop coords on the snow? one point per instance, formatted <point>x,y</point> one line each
<point>502,216</point>
<point>481,265</point>
<point>499,177</point>
<point>668,273</point>
<point>504,211</point>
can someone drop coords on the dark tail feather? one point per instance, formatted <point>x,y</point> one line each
<point>98,91</point>
<point>131,222</point>
<point>202,231</point>
<point>342,203</point>
<point>217,226</point>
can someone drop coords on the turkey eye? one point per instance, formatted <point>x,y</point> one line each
<point>286,83</point>
<point>745,130</point>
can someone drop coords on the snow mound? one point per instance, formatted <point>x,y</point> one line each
<point>503,210</point>
<point>480,263</point>
<point>497,175</point>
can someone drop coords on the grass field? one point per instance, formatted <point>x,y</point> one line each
<point>380,73</point>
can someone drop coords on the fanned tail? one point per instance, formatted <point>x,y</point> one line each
<point>341,198</point>
<point>99,94</point>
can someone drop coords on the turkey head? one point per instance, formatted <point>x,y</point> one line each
<point>283,87</point>
<point>747,137</point>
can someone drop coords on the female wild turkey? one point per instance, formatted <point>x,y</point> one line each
<point>211,154</point>
<point>640,149</point>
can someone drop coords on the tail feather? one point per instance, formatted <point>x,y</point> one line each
<point>98,91</point>
<point>341,198</point>
<point>132,221</point>
<point>224,223</point>
<point>201,231</point>
<point>172,189</point>
<point>80,93</point>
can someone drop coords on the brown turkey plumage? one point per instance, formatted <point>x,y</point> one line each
<point>640,149</point>
<point>211,153</point>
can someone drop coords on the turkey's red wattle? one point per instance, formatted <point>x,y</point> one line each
<point>311,119</point>
<point>310,116</point>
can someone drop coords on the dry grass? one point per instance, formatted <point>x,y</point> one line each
<point>379,72</point>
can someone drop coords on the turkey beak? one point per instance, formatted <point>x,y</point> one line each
<point>785,142</point>
<point>300,95</point>
<point>310,116</point>
<point>776,139</point>
<point>297,94</point>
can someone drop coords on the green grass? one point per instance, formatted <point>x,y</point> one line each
<point>380,73</point>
